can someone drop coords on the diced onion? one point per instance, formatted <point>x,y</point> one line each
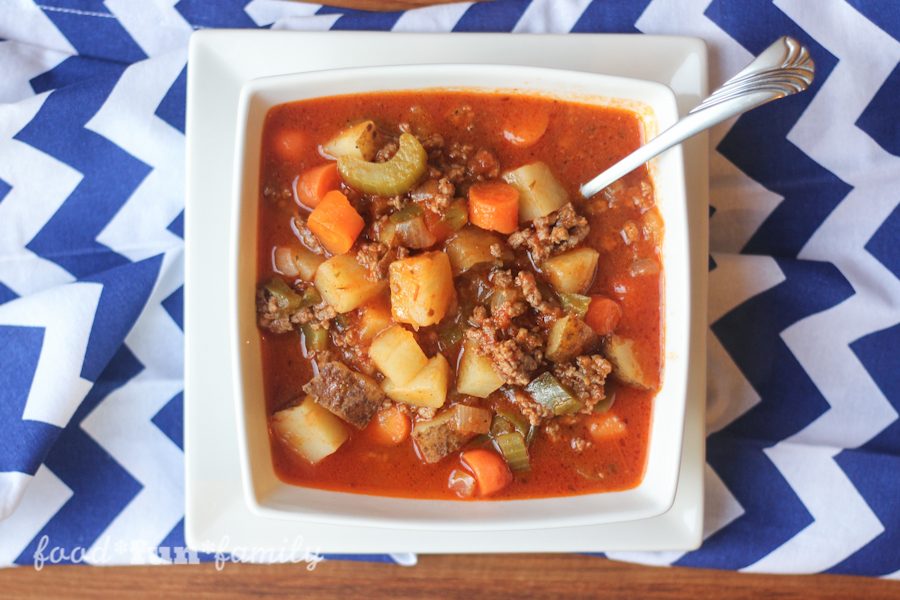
<point>470,419</point>
<point>283,258</point>
<point>414,233</point>
<point>644,266</point>
<point>461,483</point>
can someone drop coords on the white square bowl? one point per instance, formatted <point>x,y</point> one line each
<point>269,496</point>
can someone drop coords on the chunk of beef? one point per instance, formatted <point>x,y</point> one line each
<point>352,396</point>
<point>547,236</point>
<point>586,376</point>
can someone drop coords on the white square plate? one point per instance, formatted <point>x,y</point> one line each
<point>220,63</point>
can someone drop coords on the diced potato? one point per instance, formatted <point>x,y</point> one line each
<point>440,436</point>
<point>428,388</point>
<point>573,271</point>
<point>539,191</point>
<point>626,365</point>
<point>421,289</point>
<point>357,141</point>
<point>343,283</point>
<point>471,246</point>
<point>397,354</point>
<point>568,338</point>
<point>475,375</point>
<point>374,318</point>
<point>309,430</point>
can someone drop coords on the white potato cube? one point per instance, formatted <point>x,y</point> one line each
<point>397,354</point>
<point>421,289</point>
<point>573,271</point>
<point>476,375</point>
<point>343,283</point>
<point>539,191</point>
<point>309,430</point>
<point>358,140</point>
<point>428,388</point>
<point>626,365</point>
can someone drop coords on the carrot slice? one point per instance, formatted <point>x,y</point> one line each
<point>603,315</point>
<point>494,205</point>
<point>313,184</point>
<point>288,144</point>
<point>389,427</point>
<point>525,130</point>
<point>489,469</point>
<point>336,223</point>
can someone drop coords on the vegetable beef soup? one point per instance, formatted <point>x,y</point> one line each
<point>441,314</point>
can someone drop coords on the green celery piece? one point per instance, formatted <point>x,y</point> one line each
<point>547,391</point>
<point>515,452</point>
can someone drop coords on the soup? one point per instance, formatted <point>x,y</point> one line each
<point>441,315</point>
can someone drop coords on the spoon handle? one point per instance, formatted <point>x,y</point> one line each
<point>783,69</point>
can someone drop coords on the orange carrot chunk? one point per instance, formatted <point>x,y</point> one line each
<point>389,427</point>
<point>603,315</point>
<point>288,144</point>
<point>489,469</point>
<point>525,130</point>
<point>313,184</point>
<point>494,205</point>
<point>335,223</point>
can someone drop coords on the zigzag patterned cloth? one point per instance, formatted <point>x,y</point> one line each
<point>803,469</point>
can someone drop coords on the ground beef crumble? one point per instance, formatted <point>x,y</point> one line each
<point>278,318</point>
<point>386,152</point>
<point>534,412</point>
<point>435,194</point>
<point>586,377</point>
<point>348,343</point>
<point>528,284</point>
<point>306,237</point>
<point>376,257</point>
<point>483,165</point>
<point>515,352</point>
<point>547,236</point>
<point>272,315</point>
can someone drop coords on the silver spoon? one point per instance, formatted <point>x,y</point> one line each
<point>783,69</point>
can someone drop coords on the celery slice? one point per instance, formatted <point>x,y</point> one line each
<point>500,425</point>
<point>517,419</point>
<point>547,391</point>
<point>407,213</point>
<point>390,178</point>
<point>315,338</point>
<point>515,452</point>
<point>286,297</point>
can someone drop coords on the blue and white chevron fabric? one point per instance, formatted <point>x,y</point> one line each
<point>803,469</point>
